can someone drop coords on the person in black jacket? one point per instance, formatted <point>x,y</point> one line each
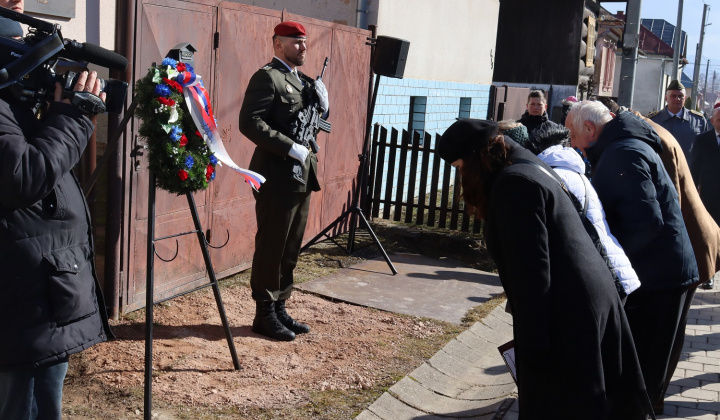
<point>575,357</point>
<point>643,211</point>
<point>705,166</point>
<point>50,300</point>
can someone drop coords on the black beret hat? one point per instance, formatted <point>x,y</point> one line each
<point>465,136</point>
<point>9,28</point>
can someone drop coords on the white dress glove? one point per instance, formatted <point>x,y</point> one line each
<point>322,94</point>
<point>298,152</point>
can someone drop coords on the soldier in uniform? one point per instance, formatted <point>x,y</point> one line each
<point>684,124</point>
<point>274,96</point>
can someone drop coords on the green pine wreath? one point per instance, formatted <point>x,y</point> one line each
<point>178,155</point>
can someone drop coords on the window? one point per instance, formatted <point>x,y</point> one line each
<point>418,105</point>
<point>465,107</point>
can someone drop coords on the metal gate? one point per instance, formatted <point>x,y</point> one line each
<point>233,41</point>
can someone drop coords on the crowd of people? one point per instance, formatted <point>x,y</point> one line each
<point>599,271</point>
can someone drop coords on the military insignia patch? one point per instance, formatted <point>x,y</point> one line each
<point>288,88</point>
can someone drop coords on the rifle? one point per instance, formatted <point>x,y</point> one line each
<point>309,121</point>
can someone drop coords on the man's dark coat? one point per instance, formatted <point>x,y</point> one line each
<point>705,169</point>
<point>641,203</point>
<point>50,300</point>
<point>574,351</point>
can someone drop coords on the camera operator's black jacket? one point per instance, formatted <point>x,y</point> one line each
<point>50,301</point>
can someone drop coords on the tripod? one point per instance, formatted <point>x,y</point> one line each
<point>355,211</point>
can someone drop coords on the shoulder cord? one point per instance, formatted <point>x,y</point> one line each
<point>587,224</point>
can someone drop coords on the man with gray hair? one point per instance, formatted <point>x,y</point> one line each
<point>643,212</point>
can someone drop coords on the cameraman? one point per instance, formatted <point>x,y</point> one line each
<point>50,301</point>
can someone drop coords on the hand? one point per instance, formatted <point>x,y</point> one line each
<point>322,94</point>
<point>298,153</point>
<point>85,83</point>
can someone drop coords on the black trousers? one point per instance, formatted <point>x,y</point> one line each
<point>679,339</point>
<point>281,219</point>
<point>656,321</point>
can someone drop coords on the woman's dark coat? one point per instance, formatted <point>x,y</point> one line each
<point>50,302</point>
<point>574,350</point>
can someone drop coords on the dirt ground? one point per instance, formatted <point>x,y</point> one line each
<point>351,356</point>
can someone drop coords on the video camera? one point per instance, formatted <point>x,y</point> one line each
<point>29,67</point>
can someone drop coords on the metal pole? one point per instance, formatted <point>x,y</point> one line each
<point>676,43</point>
<point>707,70</point>
<point>629,53</point>
<point>213,279</point>
<point>698,58</point>
<point>149,299</point>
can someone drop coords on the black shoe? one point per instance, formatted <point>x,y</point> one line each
<point>266,323</point>
<point>287,321</point>
<point>709,285</point>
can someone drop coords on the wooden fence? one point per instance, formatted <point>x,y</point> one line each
<point>405,186</point>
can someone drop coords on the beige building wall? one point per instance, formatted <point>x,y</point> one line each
<point>450,40</point>
<point>94,22</point>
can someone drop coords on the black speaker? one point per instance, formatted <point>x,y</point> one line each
<point>390,56</point>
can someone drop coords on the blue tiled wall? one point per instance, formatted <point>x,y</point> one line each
<point>392,110</point>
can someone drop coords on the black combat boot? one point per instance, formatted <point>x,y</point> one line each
<point>266,323</point>
<point>287,321</point>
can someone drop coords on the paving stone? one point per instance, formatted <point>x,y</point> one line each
<point>692,413</point>
<point>489,334</point>
<point>680,401</point>
<point>700,394</point>
<point>415,395</point>
<point>501,327</point>
<point>488,392</point>
<point>388,407</point>
<point>439,382</point>
<point>367,415</point>
<point>691,366</point>
<point>461,351</point>
<point>703,359</point>
<point>456,368</point>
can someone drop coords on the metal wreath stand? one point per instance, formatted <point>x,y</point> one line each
<point>183,53</point>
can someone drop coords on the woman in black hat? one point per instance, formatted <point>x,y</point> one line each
<point>574,350</point>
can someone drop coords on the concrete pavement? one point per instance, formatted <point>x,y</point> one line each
<point>467,379</point>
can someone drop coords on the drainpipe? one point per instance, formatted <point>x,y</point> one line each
<point>362,11</point>
<point>124,36</point>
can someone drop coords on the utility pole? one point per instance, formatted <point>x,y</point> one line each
<point>676,43</point>
<point>629,53</point>
<point>698,58</point>
<point>713,84</point>
<point>707,70</point>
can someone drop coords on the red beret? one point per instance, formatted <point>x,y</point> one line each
<point>291,29</point>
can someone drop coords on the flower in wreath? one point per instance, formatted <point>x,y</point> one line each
<point>175,133</point>
<point>175,85</point>
<point>210,173</point>
<point>181,67</point>
<point>213,159</point>
<point>183,175</point>
<point>162,90</point>
<point>183,140</point>
<point>167,61</point>
<point>189,162</point>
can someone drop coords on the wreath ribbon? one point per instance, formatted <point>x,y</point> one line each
<point>197,100</point>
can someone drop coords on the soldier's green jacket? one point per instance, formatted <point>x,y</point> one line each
<point>272,102</point>
<point>684,129</point>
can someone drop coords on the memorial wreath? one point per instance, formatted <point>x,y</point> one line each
<point>179,157</point>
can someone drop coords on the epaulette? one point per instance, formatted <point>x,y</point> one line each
<point>698,113</point>
<point>652,114</point>
<point>266,67</point>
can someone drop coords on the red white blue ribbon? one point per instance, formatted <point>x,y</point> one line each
<point>198,103</point>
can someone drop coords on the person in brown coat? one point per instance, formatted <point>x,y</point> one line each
<point>703,231</point>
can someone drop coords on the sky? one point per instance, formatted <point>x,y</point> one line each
<point>691,24</point>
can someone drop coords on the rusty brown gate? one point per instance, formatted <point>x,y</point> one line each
<point>233,41</point>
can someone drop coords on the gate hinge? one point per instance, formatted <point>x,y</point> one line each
<point>216,40</point>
